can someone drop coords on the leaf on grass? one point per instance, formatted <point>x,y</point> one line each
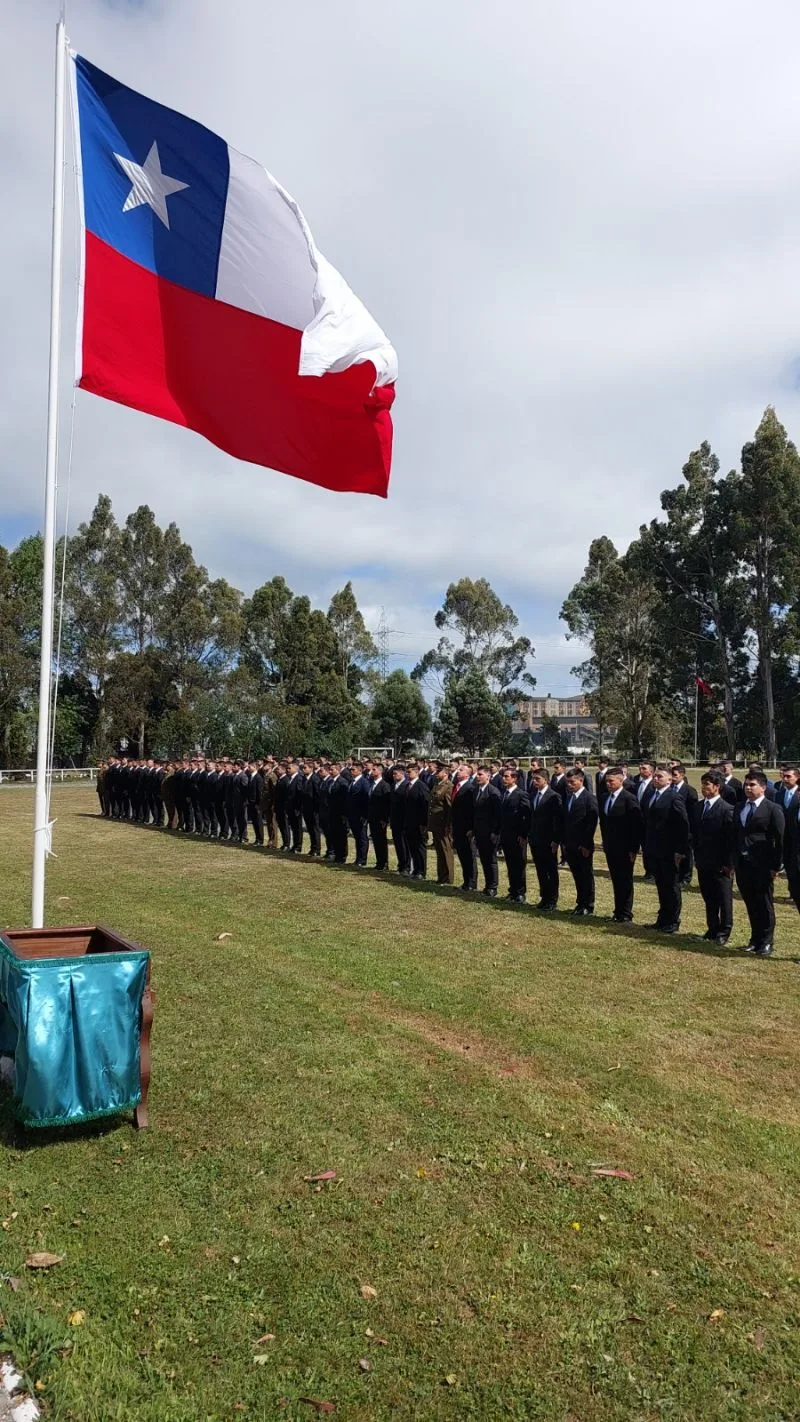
<point>615,1174</point>
<point>365,1365</point>
<point>757,1339</point>
<point>716,1315</point>
<point>164,1241</point>
<point>77,1318</point>
<point>368,1291</point>
<point>13,1283</point>
<point>265,1338</point>
<point>318,1179</point>
<point>317,1405</point>
<point>42,1260</point>
<point>451,1379</point>
<point>635,1318</point>
<point>220,938</point>
<point>260,1359</point>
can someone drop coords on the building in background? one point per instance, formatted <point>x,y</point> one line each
<point>575,720</point>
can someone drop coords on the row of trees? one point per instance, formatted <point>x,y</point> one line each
<point>710,591</point>
<point>159,656</point>
<point>156,653</point>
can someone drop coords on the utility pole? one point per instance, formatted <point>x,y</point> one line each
<point>382,634</point>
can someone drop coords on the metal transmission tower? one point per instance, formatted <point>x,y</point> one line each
<point>382,634</point>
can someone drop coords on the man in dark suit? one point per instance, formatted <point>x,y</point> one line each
<point>733,786</point>
<point>380,798</point>
<point>463,835</point>
<point>544,836</point>
<point>515,821</point>
<point>580,823</point>
<point>210,798</point>
<point>397,818</point>
<point>621,828</point>
<point>338,805</point>
<point>711,823</point>
<point>644,789</point>
<point>357,813</point>
<point>486,821</point>
<point>666,842</point>
<point>241,784</point>
<point>688,794</point>
<point>603,764</point>
<point>294,807</point>
<point>415,821</point>
<point>309,804</point>
<point>496,775</point>
<point>558,782</point>
<point>787,795</point>
<point>759,825</point>
<point>255,789</point>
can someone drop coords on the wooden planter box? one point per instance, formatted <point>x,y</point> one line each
<point>31,944</point>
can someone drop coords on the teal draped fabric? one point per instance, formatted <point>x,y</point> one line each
<point>72,1026</point>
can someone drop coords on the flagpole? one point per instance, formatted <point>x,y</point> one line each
<point>40,824</point>
<point>696,700</point>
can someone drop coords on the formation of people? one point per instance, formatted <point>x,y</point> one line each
<point>476,814</point>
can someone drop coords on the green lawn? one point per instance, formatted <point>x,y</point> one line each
<point>463,1067</point>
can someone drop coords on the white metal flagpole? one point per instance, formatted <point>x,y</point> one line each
<point>41,830</point>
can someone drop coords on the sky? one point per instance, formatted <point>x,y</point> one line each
<point>578,223</point>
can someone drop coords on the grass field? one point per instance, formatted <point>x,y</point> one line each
<point>463,1067</point>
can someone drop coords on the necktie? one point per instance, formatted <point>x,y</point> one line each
<point>609,803</point>
<point>571,803</point>
<point>537,799</point>
<point>705,809</point>
<point>748,814</point>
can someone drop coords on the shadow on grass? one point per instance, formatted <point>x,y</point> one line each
<point>30,1138</point>
<point>686,943</point>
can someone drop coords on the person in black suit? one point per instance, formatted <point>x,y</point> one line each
<point>294,807</point>
<point>688,794</point>
<point>603,765</point>
<point>711,823</point>
<point>544,836</point>
<point>310,806</point>
<point>733,786</point>
<point>515,821</point>
<point>580,823</point>
<point>397,818</point>
<point>644,789</point>
<point>621,828</point>
<point>769,788</point>
<point>255,789</point>
<point>580,764</point>
<point>241,783</point>
<point>324,810</point>
<point>463,835</point>
<point>666,841</point>
<point>358,812</point>
<point>337,806</point>
<point>486,820</point>
<point>380,799</point>
<point>759,825</point>
<point>496,775</point>
<point>787,795</point>
<point>558,782</point>
<point>415,821</point>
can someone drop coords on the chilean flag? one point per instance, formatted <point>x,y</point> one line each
<point>206,302</point>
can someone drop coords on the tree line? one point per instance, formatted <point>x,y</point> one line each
<point>707,597</point>
<point>161,657</point>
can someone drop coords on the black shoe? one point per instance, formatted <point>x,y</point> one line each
<point>721,938</point>
<point>489,893</point>
<point>709,937</point>
<point>671,928</point>
<point>518,898</point>
<point>649,879</point>
<point>582,912</point>
<point>765,952</point>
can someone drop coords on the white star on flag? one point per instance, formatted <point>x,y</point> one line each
<point>149,184</point>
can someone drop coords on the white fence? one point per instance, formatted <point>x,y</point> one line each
<point>27,777</point>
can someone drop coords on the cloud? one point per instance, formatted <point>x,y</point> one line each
<point>579,225</point>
